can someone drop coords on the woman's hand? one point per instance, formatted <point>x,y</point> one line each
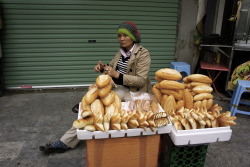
<point>111,72</point>
<point>98,66</point>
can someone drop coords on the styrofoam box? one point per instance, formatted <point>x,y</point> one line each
<point>87,135</point>
<point>200,136</point>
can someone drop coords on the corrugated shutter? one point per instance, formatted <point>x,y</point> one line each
<point>51,43</point>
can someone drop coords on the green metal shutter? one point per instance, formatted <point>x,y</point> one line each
<point>54,43</point>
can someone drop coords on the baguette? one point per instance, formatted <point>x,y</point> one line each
<point>202,89</point>
<point>203,96</point>
<point>174,85</point>
<point>103,80</point>
<point>103,92</point>
<point>97,108</point>
<point>199,78</point>
<point>91,95</point>
<point>188,99</point>
<point>175,93</point>
<point>86,113</point>
<point>109,99</point>
<point>168,74</point>
<point>81,123</point>
<point>84,105</point>
<point>157,93</point>
<point>90,128</point>
<point>98,122</point>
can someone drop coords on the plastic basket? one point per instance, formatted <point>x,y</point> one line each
<point>181,156</point>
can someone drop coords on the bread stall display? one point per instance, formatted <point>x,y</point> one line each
<point>103,115</point>
<point>190,106</point>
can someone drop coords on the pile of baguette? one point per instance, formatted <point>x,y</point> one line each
<point>102,110</point>
<point>189,104</point>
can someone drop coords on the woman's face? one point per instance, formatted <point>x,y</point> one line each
<point>125,41</point>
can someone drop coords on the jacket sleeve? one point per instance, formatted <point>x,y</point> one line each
<point>139,72</point>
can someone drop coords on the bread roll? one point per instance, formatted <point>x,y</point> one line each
<point>98,122</point>
<point>142,120</point>
<point>209,104</point>
<point>176,123</point>
<point>109,99</point>
<point>197,104</point>
<point>202,89</point>
<point>203,96</point>
<point>168,74</point>
<point>118,102</point>
<point>192,122</point>
<point>154,106</point>
<point>174,85</point>
<point>180,104</point>
<point>81,123</point>
<point>199,78</point>
<point>160,115</point>
<point>158,79</point>
<point>225,119</point>
<point>84,105</point>
<point>161,122</point>
<point>103,80</point>
<point>91,95</point>
<point>97,108</point>
<point>170,104</point>
<point>86,113</point>
<point>106,121</point>
<point>90,128</point>
<point>194,84</point>
<point>103,92</point>
<point>157,93</point>
<point>124,121</point>
<point>175,93</point>
<point>163,99</point>
<point>188,99</point>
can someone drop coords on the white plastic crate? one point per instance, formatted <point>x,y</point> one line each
<point>87,135</point>
<point>200,136</point>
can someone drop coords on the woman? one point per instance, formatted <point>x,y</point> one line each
<point>130,66</point>
<point>129,70</point>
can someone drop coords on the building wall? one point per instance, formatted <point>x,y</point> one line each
<point>185,48</point>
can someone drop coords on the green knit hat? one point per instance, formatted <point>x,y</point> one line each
<point>130,29</point>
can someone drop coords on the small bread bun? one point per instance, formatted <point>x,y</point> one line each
<point>174,85</point>
<point>202,89</point>
<point>168,74</point>
<point>102,80</point>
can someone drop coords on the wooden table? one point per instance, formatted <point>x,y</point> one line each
<point>214,67</point>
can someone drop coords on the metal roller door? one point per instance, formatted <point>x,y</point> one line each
<point>57,43</point>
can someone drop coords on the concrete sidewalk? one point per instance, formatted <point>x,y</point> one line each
<point>31,119</point>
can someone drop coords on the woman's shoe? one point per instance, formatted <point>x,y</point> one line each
<point>56,147</point>
<point>75,109</point>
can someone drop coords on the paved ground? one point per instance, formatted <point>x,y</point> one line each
<point>31,119</point>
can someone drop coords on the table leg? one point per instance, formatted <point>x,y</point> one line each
<point>213,80</point>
